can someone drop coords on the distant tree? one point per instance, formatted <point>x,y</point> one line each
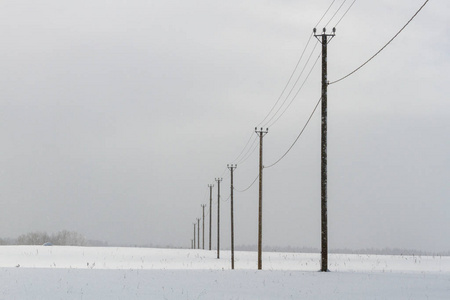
<point>62,238</point>
<point>33,238</point>
<point>68,238</point>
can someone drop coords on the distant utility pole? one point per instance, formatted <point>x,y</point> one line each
<point>261,133</point>
<point>324,238</point>
<point>198,233</point>
<point>218,216</point>
<point>203,209</point>
<point>210,212</point>
<point>231,168</point>
<point>194,235</point>
<point>192,244</point>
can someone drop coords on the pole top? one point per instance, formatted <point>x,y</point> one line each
<point>261,130</point>
<point>324,34</point>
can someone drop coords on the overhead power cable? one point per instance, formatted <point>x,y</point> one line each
<point>293,86</point>
<point>241,191</point>
<point>344,13</point>
<point>339,8</point>
<point>342,78</point>
<point>245,147</point>
<point>250,151</point>
<point>247,151</point>
<point>250,154</point>
<point>285,87</point>
<point>301,132</point>
<point>298,91</point>
<point>205,195</point>
<point>223,173</point>
<point>325,13</point>
<point>293,72</point>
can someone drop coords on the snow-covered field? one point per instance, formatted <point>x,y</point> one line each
<point>38,272</point>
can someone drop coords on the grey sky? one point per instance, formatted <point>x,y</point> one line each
<point>115,115</point>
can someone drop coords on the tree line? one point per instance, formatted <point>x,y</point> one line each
<point>61,238</point>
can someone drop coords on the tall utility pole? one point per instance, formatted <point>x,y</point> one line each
<point>194,235</point>
<point>198,233</point>
<point>210,212</point>
<point>261,133</point>
<point>218,216</point>
<point>203,209</point>
<point>231,168</point>
<point>324,238</point>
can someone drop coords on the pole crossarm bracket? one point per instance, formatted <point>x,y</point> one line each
<point>324,34</point>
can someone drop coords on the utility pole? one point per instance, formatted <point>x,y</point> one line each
<point>194,235</point>
<point>198,233</point>
<point>261,133</point>
<point>210,212</point>
<point>203,209</point>
<point>218,216</point>
<point>192,244</point>
<point>231,168</point>
<point>324,224</point>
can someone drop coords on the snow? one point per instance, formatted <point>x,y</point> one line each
<point>38,272</point>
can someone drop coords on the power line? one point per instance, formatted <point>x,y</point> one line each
<point>336,13</point>
<point>298,78</point>
<point>301,132</point>
<point>298,91</point>
<point>223,173</point>
<point>290,78</point>
<point>250,138</point>
<point>383,46</point>
<point>249,151</point>
<point>325,13</point>
<point>245,154</point>
<point>295,69</point>
<point>241,191</point>
<point>205,195</point>
<point>243,157</point>
<point>345,13</point>
<point>228,198</point>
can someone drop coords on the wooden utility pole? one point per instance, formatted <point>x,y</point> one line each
<point>203,241</point>
<point>194,235</point>
<point>324,217</point>
<point>210,212</point>
<point>218,216</point>
<point>261,133</point>
<point>198,233</point>
<point>231,168</point>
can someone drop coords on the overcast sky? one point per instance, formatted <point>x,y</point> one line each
<point>116,115</point>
